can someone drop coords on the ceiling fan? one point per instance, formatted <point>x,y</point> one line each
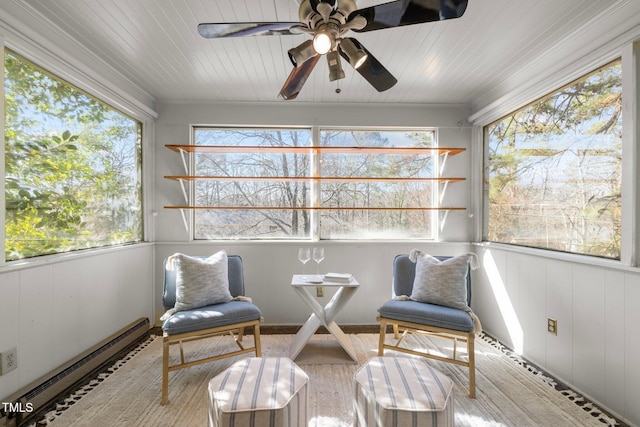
<point>328,21</point>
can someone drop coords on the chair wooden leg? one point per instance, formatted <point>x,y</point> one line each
<point>455,348</point>
<point>383,331</point>
<point>240,334</point>
<point>181,353</point>
<point>396,331</point>
<point>472,365</point>
<point>186,337</point>
<point>256,339</point>
<point>165,372</point>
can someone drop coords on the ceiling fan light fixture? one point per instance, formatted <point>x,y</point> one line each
<point>335,66</point>
<point>356,56</point>
<point>323,42</point>
<point>302,53</point>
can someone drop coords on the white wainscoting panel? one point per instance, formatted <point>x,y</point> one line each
<point>36,340</point>
<point>68,303</point>
<point>559,288</point>
<point>10,331</point>
<point>268,267</point>
<point>589,344</point>
<point>596,306</point>
<point>100,293</point>
<point>534,318</point>
<point>135,285</point>
<point>614,344</point>
<point>632,348</point>
<point>57,307</point>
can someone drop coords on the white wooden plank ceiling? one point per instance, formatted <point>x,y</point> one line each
<point>156,45</point>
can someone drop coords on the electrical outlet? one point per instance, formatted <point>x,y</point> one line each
<point>552,326</point>
<point>319,291</point>
<point>8,360</point>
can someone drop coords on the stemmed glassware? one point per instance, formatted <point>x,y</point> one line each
<point>304,255</point>
<point>318,256</point>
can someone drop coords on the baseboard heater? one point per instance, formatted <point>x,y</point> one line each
<point>32,401</point>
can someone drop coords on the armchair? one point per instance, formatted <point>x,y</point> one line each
<point>230,317</point>
<point>408,316</point>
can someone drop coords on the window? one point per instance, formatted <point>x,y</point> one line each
<point>554,169</point>
<point>378,191</point>
<point>254,183</point>
<point>73,166</point>
<point>275,183</point>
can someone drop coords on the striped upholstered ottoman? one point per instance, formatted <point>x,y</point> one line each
<point>402,391</point>
<point>259,391</point>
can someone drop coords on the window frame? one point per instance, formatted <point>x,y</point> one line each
<point>190,168</point>
<point>624,148</point>
<point>142,116</point>
<point>315,179</point>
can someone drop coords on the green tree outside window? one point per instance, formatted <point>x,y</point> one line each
<point>72,164</point>
<point>555,168</point>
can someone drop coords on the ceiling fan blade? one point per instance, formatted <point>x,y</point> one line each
<point>297,78</point>
<point>408,12</point>
<point>372,70</point>
<point>244,29</point>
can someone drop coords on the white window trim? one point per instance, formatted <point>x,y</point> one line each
<point>630,221</point>
<point>51,55</point>
<point>136,110</point>
<point>436,221</point>
<point>630,241</point>
<point>2,166</point>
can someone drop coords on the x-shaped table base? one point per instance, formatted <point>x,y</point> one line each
<point>322,316</point>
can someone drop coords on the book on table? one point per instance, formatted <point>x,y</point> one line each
<point>338,277</point>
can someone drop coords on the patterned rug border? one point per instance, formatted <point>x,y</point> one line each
<point>578,399</point>
<point>67,402</point>
<point>594,410</point>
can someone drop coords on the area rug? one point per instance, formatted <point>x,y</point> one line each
<point>509,391</point>
<point>323,349</point>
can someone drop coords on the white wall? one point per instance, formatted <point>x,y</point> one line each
<point>53,310</point>
<point>269,265</point>
<point>596,306</point>
<point>268,268</point>
<point>595,301</point>
<point>56,308</point>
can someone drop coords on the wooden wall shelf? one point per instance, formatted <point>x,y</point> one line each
<point>304,150</point>
<point>185,149</point>
<point>305,178</point>
<point>300,208</point>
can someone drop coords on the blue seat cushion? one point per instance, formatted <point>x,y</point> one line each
<point>427,314</point>
<point>211,316</point>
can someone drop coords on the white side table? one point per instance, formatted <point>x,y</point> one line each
<point>322,316</point>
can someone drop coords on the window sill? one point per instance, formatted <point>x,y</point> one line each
<point>39,261</point>
<point>559,256</point>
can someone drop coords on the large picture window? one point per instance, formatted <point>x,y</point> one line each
<point>278,184</point>
<point>252,183</point>
<point>73,166</point>
<point>554,170</point>
<point>386,189</point>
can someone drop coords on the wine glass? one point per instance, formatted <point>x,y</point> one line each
<point>304,255</point>
<point>318,256</point>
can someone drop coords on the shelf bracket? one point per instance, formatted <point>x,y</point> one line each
<point>443,190</point>
<point>443,218</point>
<point>185,163</point>
<point>184,220</point>
<point>185,191</point>
<point>445,156</point>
